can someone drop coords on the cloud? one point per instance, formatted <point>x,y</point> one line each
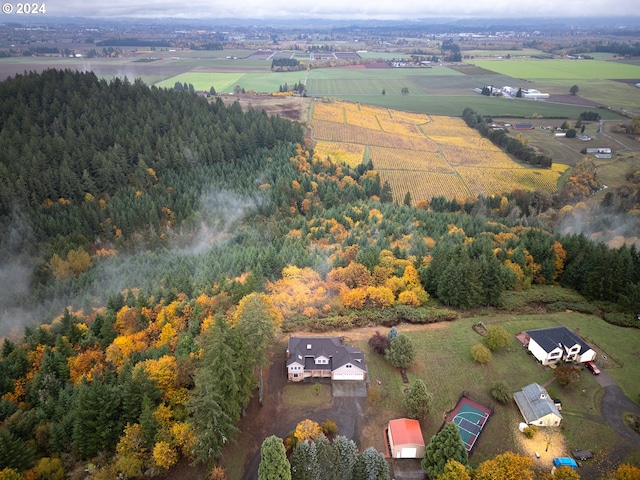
<point>333,9</point>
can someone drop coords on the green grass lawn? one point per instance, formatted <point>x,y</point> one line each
<point>307,394</point>
<point>444,362</point>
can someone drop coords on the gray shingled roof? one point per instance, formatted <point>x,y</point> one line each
<point>553,337</point>
<point>534,403</point>
<point>305,349</point>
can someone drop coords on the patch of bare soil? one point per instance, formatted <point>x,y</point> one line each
<point>365,333</point>
<point>547,444</point>
<point>292,108</point>
<point>572,100</point>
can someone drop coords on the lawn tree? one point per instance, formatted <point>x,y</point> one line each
<point>454,470</point>
<point>567,375</point>
<point>307,430</point>
<point>480,354</point>
<point>445,445</point>
<point>273,460</point>
<point>497,337</point>
<point>506,466</point>
<point>401,352</point>
<point>347,456</point>
<point>380,343</point>
<point>574,90</point>
<point>407,199</point>
<point>405,91</point>
<point>258,320</point>
<point>393,333</point>
<point>500,392</point>
<point>417,400</point>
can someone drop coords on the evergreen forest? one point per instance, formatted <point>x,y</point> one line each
<point>153,243</point>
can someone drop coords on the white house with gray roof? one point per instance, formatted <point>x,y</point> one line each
<point>537,407</point>
<point>554,344</point>
<point>324,357</point>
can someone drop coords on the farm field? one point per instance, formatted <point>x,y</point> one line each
<point>424,155</point>
<point>441,90</point>
<point>561,69</point>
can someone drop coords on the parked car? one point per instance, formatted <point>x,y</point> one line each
<point>593,368</point>
<point>582,454</point>
<point>565,462</point>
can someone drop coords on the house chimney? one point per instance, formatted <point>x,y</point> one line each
<point>288,354</point>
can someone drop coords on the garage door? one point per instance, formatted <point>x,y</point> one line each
<point>348,376</point>
<point>408,453</point>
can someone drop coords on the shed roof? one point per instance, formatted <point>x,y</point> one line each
<point>535,403</point>
<point>405,431</point>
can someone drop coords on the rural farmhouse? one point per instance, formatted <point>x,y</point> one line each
<point>536,407</point>
<point>405,438</point>
<point>554,344</point>
<point>324,357</point>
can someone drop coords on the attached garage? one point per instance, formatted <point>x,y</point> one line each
<point>349,371</point>
<point>405,438</point>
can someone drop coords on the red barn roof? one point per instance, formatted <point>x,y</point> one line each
<point>406,431</point>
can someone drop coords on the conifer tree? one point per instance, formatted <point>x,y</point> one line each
<point>273,460</point>
<point>444,446</point>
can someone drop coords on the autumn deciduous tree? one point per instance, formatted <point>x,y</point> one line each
<point>454,470</point>
<point>307,430</point>
<point>567,375</point>
<point>626,472</point>
<point>480,354</point>
<point>497,337</point>
<point>506,466</point>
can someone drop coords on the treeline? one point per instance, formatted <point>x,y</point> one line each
<point>132,42</point>
<point>499,138</point>
<point>286,64</point>
<point>627,49</point>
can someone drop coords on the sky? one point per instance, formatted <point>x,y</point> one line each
<point>340,9</point>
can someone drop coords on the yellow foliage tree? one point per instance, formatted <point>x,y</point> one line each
<point>626,472</point>
<point>78,260</point>
<point>307,430</point>
<point>561,256</point>
<point>506,466</point>
<point>164,455</point>
<point>454,470</point>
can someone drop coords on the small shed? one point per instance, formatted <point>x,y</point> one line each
<point>537,407</point>
<point>405,438</point>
